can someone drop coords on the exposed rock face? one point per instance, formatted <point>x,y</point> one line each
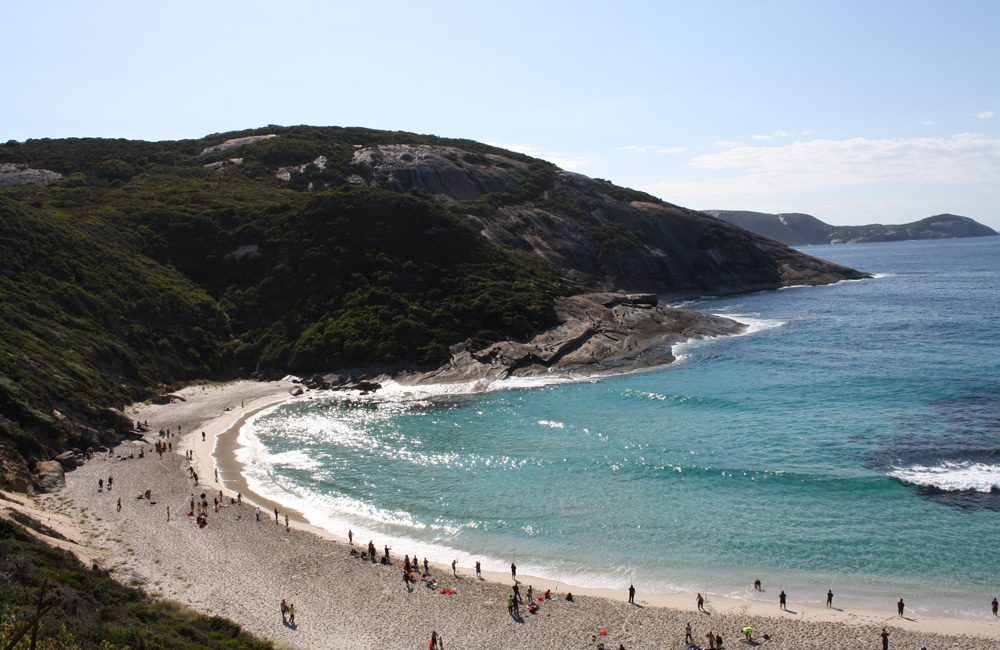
<point>448,173</point>
<point>802,229</point>
<point>223,165</point>
<point>13,471</point>
<point>600,333</point>
<point>285,173</point>
<point>21,174</point>
<point>49,476</point>
<point>233,143</point>
<point>602,237</point>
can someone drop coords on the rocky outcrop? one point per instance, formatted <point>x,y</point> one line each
<point>49,476</point>
<point>600,236</point>
<point>599,333</point>
<point>447,173</point>
<point>285,173</point>
<point>22,174</point>
<point>233,143</point>
<point>222,165</point>
<point>803,229</point>
<point>68,460</point>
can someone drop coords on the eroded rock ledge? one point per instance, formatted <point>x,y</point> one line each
<point>600,333</point>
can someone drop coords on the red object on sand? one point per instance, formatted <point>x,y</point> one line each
<point>602,632</point>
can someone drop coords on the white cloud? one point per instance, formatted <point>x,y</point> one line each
<point>760,170</point>
<point>727,144</point>
<point>562,160</point>
<point>925,122</point>
<point>782,134</point>
<point>985,115</point>
<point>654,148</point>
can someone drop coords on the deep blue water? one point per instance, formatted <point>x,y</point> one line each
<point>850,442</point>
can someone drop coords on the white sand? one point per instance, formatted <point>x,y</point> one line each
<point>239,568</point>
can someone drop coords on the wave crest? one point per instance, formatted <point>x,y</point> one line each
<point>949,476</point>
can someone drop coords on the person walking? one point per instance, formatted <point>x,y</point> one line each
<point>783,600</point>
<point>688,638</point>
<point>701,603</point>
<point>119,504</point>
<point>631,594</point>
<point>885,639</point>
<point>433,645</point>
<point>900,607</point>
<point>829,597</point>
<point>291,613</point>
<point>711,639</point>
<point>100,485</point>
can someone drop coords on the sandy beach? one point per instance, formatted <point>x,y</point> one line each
<point>241,568</point>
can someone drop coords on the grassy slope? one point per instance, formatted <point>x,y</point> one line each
<point>123,277</point>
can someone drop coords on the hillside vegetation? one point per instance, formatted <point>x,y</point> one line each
<point>307,249</point>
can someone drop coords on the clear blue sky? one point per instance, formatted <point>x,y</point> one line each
<point>856,112</point>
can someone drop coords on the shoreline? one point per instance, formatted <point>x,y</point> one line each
<point>224,445</point>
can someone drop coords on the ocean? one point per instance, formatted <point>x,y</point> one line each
<point>850,442</point>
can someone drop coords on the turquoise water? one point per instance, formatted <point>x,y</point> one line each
<point>852,442</point>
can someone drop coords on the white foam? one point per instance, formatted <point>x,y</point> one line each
<point>952,476</point>
<point>552,424</point>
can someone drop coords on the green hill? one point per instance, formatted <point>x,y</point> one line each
<point>127,266</point>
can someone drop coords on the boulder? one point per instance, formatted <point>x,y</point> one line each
<point>67,459</point>
<point>118,421</point>
<point>296,391</point>
<point>49,476</point>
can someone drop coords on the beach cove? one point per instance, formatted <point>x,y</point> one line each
<point>240,568</point>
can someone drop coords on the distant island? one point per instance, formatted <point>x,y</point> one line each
<point>797,229</point>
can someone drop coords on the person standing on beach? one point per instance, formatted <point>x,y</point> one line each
<point>513,568</point>
<point>829,597</point>
<point>900,607</point>
<point>100,485</point>
<point>454,571</point>
<point>216,474</point>
<point>885,639</point>
<point>426,567</point>
<point>203,436</point>
<point>688,638</point>
<point>711,639</point>
<point>168,513</point>
<point>433,645</point>
<point>119,504</point>
<point>110,481</point>
<point>256,513</point>
<point>994,606</point>
<point>276,516</point>
<point>286,523</point>
<point>783,600</point>
<point>350,537</point>
<point>631,594</point>
<point>479,571</point>
<point>701,603</point>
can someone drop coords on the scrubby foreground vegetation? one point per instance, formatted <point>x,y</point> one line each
<point>47,595</point>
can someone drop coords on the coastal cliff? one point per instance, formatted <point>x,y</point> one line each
<point>797,229</point>
<point>130,267</point>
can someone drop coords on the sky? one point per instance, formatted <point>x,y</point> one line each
<point>855,112</point>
